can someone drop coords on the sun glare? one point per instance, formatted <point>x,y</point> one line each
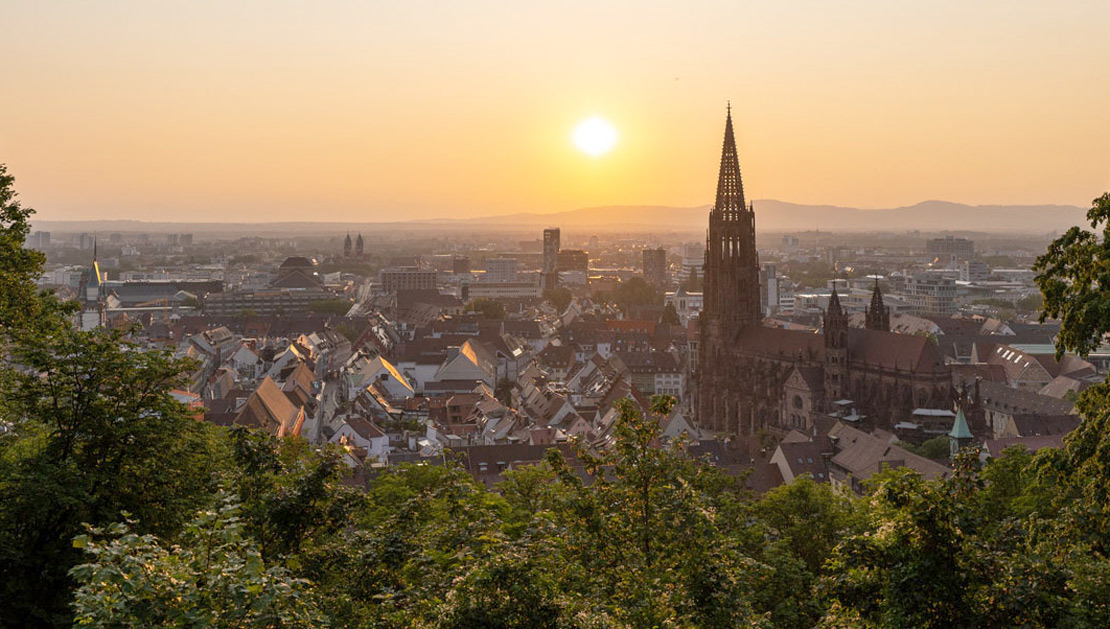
<point>595,136</point>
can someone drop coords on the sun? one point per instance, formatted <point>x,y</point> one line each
<point>595,136</point>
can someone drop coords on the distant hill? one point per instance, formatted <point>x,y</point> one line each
<point>771,216</point>
<point>778,216</point>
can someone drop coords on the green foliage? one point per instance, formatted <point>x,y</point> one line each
<point>292,495</point>
<point>634,292</point>
<point>214,577</point>
<point>936,448</point>
<point>1073,276</point>
<point>94,433</point>
<point>560,297</point>
<point>350,331</point>
<point>338,307</point>
<point>644,540</point>
<point>22,309</point>
<point>488,308</point>
<point>1030,303</point>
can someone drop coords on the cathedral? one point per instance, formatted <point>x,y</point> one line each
<point>752,378</point>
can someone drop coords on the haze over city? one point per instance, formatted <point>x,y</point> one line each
<point>374,111</point>
<point>574,315</point>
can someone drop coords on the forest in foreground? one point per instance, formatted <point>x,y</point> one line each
<point>119,508</point>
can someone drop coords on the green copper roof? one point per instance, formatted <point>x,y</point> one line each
<point>959,427</point>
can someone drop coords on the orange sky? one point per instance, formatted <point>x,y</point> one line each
<point>359,110</point>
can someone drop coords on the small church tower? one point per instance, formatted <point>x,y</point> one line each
<point>358,246</point>
<point>960,437</point>
<point>347,245</point>
<point>878,315</point>
<point>836,350</point>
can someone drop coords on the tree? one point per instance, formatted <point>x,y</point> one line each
<point>338,307</point>
<point>1030,303</point>
<point>643,541</point>
<point>94,433</point>
<point>635,292</point>
<point>1073,276</point>
<point>560,297</point>
<point>670,315</point>
<point>22,308</point>
<point>487,308</point>
<point>215,577</point>
<point>796,528</point>
<point>935,448</point>
<point>90,431</point>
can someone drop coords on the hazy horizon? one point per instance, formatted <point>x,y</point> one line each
<point>263,112</point>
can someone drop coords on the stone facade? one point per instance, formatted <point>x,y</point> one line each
<point>753,378</point>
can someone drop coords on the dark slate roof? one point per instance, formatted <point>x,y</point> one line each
<point>297,278</point>
<point>296,262</point>
<point>1041,425</point>
<point>784,344</point>
<point>1032,444</point>
<point>364,427</point>
<point>1021,402</point>
<point>649,362</point>
<point>905,351</point>
<point>804,457</point>
<point>814,377</point>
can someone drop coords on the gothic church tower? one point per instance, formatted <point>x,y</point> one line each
<point>731,301</point>
<point>836,350</point>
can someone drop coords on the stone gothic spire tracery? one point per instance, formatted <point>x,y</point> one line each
<point>731,260</point>
<point>878,315</point>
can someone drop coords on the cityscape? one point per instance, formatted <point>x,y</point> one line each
<point>699,409</point>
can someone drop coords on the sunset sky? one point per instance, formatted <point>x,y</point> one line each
<point>376,111</point>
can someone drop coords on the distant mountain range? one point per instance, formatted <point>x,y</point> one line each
<point>780,216</point>
<point>771,216</point>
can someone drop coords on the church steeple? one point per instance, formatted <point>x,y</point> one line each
<point>731,260</point>
<point>878,315</point>
<point>960,436</point>
<point>731,293</point>
<point>347,245</point>
<point>730,187</point>
<point>836,349</point>
<point>836,323</point>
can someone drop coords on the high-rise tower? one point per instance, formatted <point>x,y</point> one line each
<point>550,257</point>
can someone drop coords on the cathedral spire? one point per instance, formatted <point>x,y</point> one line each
<point>834,304</point>
<point>878,315</point>
<point>730,188</point>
